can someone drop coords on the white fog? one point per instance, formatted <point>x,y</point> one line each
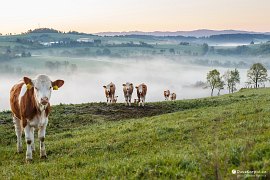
<point>159,75</point>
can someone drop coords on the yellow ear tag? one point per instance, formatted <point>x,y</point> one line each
<point>55,87</point>
<point>28,86</point>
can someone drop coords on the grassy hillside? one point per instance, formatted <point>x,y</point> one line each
<point>193,139</point>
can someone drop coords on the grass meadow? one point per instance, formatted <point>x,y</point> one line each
<point>193,139</point>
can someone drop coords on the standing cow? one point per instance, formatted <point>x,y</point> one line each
<point>167,95</point>
<point>30,106</point>
<point>128,90</point>
<point>141,93</point>
<point>110,93</point>
<point>173,97</point>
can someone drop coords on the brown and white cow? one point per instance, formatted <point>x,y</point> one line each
<point>30,106</point>
<point>167,95</point>
<point>141,93</point>
<point>128,90</point>
<point>173,96</point>
<point>110,92</point>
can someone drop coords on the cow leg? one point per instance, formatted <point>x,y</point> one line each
<point>112,99</point>
<point>28,136</point>
<point>32,139</point>
<point>41,135</point>
<point>126,99</point>
<point>18,131</point>
<point>143,100</point>
<point>107,101</point>
<point>129,101</point>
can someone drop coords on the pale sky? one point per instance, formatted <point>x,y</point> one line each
<point>127,15</point>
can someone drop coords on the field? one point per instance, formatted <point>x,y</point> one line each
<point>193,139</point>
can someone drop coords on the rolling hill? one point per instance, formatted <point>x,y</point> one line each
<point>193,139</point>
<point>195,33</point>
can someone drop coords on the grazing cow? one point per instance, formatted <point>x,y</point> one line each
<point>141,93</point>
<point>167,95</point>
<point>110,92</point>
<point>173,96</point>
<point>30,106</point>
<point>115,99</point>
<point>128,90</point>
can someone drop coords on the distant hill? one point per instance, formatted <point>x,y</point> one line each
<point>195,33</point>
<point>43,30</point>
<point>191,34</point>
<point>51,30</point>
<point>238,37</point>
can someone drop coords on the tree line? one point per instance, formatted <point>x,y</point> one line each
<point>256,77</point>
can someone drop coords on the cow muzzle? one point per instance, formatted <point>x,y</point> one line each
<point>44,101</point>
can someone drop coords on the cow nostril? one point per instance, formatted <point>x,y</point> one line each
<point>44,100</point>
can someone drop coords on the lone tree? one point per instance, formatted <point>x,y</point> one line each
<point>213,80</point>
<point>257,74</point>
<point>231,79</point>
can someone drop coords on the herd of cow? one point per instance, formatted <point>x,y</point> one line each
<point>128,91</point>
<point>30,106</point>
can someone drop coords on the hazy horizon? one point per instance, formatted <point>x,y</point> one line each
<point>116,16</point>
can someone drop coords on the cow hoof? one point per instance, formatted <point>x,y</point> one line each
<point>43,156</point>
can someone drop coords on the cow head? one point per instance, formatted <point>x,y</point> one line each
<point>167,93</point>
<point>128,86</point>
<point>139,89</point>
<point>43,87</point>
<point>108,88</point>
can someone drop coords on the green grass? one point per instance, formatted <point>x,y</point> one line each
<point>193,139</point>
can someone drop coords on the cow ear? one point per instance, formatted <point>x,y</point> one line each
<point>104,86</point>
<point>28,82</point>
<point>57,84</point>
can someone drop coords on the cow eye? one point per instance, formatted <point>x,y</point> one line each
<point>36,88</point>
<point>50,87</point>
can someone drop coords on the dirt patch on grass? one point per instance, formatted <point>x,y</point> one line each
<point>112,112</point>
